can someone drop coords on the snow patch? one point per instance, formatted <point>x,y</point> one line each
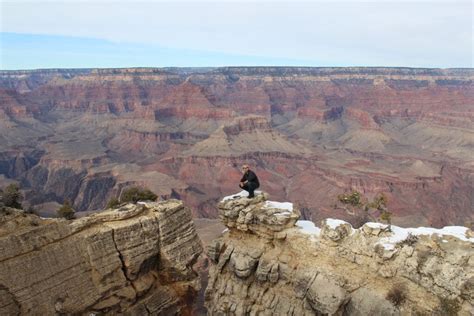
<point>308,227</point>
<point>376,225</point>
<point>287,206</point>
<point>242,193</point>
<point>400,234</point>
<point>333,223</point>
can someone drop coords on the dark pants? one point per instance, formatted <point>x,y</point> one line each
<point>250,187</point>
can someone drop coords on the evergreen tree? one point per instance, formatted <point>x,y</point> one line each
<point>66,211</point>
<point>135,194</point>
<point>113,203</point>
<point>12,196</point>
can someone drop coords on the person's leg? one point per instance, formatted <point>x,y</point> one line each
<point>251,189</point>
<point>244,187</point>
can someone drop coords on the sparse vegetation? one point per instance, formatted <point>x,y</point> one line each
<point>11,196</point>
<point>113,203</point>
<point>397,294</point>
<point>410,240</point>
<point>135,194</point>
<point>66,211</point>
<point>362,210</point>
<point>380,204</point>
<point>352,199</point>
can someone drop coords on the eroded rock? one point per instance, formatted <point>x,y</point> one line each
<point>119,261</point>
<point>335,270</point>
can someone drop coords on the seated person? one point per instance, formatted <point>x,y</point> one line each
<point>249,181</point>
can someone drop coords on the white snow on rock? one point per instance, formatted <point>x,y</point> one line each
<point>400,234</point>
<point>333,223</point>
<point>308,227</point>
<point>376,225</point>
<point>242,193</point>
<point>287,206</point>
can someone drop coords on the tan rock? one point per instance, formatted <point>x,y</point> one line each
<point>110,261</point>
<point>325,296</point>
<point>337,270</point>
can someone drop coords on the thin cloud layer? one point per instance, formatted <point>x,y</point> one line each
<point>382,33</point>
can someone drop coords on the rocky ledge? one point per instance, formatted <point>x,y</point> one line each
<point>269,263</point>
<point>133,260</point>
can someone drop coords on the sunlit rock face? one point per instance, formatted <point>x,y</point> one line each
<point>309,133</point>
<point>269,262</point>
<point>133,260</point>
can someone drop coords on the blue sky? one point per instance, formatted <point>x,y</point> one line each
<point>106,33</point>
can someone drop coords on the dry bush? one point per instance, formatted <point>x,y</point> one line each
<point>397,294</point>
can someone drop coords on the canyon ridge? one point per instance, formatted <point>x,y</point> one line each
<point>309,133</point>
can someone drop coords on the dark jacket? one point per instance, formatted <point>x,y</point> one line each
<point>250,176</point>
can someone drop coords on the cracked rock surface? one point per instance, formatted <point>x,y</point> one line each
<point>133,260</point>
<point>268,263</point>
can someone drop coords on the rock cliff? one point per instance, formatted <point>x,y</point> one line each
<point>269,263</point>
<point>135,260</point>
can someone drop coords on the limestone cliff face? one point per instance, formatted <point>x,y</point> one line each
<point>268,263</point>
<point>134,260</point>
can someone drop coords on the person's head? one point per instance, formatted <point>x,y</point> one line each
<point>245,168</point>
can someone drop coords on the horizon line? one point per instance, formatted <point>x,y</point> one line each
<point>228,66</point>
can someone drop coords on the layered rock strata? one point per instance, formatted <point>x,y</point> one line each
<point>134,260</point>
<point>268,263</point>
<point>85,134</point>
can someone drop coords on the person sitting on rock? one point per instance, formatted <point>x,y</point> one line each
<point>249,181</point>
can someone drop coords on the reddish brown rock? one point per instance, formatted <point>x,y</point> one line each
<point>310,133</point>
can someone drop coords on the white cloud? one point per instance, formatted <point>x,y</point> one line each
<point>353,32</point>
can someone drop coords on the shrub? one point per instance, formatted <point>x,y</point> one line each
<point>379,202</point>
<point>386,216</point>
<point>113,203</point>
<point>66,211</point>
<point>397,294</point>
<point>353,199</point>
<point>410,240</point>
<point>11,196</point>
<point>135,194</point>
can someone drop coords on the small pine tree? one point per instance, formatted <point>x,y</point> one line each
<point>113,203</point>
<point>11,196</point>
<point>66,211</point>
<point>135,194</point>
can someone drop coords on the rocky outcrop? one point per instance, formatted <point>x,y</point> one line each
<point>135,260</point>
<point>265,264</point>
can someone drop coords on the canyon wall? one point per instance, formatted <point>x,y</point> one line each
<point>309,133</point>
<point>134,260</point>
<point>270,263</point>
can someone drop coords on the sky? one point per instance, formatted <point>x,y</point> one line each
<point>319,33</point>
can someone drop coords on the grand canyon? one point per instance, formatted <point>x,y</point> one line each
<point>310,134</point>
